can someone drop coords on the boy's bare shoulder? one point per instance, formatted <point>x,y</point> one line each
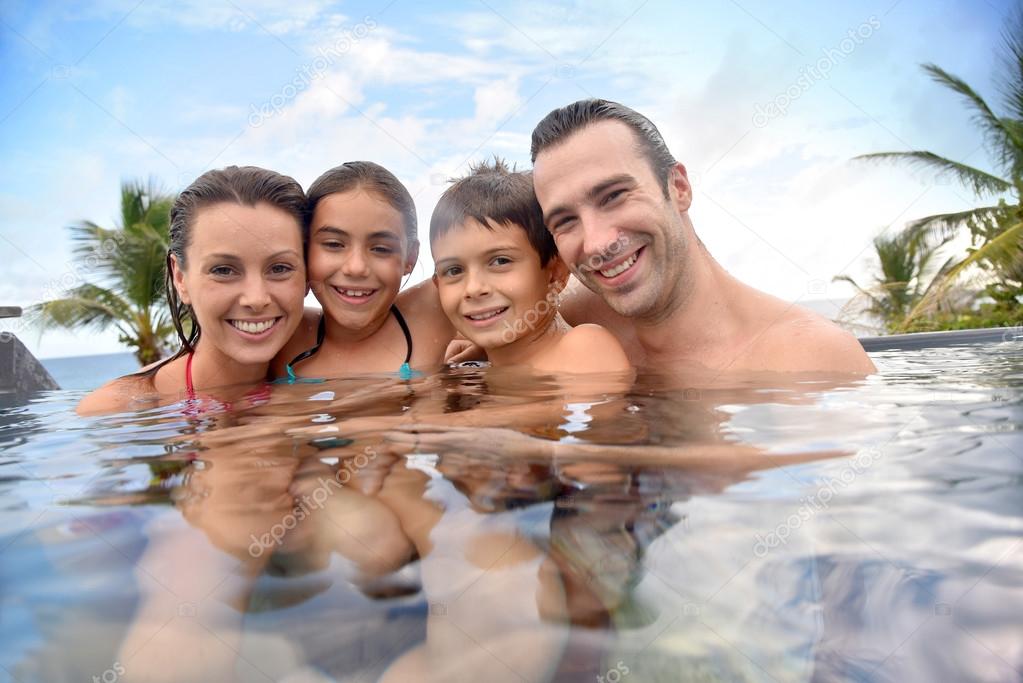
<point>591,348</point>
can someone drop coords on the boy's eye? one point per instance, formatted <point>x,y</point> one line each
<point>332,244</point>
<point>452,271</point>
<point>383,250</point>
<point>500,261</point>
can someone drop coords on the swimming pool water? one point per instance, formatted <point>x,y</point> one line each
<point>880,538</point>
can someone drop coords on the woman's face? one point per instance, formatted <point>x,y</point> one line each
<point>358,254</point>
<point>245,279</point>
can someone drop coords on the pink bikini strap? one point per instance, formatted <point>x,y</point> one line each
<point>188,378</point>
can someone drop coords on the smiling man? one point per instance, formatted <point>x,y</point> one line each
<point>617,203</point>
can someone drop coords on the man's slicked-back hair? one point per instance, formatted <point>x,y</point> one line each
<point>492,193</point>
<point>562,123</point>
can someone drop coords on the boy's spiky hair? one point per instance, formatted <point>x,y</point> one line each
<point>491,193</point>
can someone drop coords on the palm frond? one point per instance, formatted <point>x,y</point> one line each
<point>1002,139</point>
<point>1003,248</point>
<point>980,182</point>
<point>946,226</point>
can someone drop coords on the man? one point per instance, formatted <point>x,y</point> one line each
<point>617,203</point>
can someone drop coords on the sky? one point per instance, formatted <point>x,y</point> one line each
<point>765,103</point>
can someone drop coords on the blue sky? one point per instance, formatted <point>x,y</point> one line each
<point>94,94</point>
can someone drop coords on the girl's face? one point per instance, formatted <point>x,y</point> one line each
<point>244,278</point>
<point>358,254</point>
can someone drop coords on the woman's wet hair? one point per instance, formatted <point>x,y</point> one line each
<point>366,175</point>
<point>243,185</point>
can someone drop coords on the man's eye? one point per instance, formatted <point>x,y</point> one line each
<point>613,195</point>
<point>563,225</point>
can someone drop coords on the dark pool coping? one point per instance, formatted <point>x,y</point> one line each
<point>930,340</point>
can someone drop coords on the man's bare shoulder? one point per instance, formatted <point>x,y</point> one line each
<point>803,341</point>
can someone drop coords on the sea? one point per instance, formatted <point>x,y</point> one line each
<point>85,373</point>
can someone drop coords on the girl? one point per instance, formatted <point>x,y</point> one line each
<point>235,281</point>
<point>362,241</point>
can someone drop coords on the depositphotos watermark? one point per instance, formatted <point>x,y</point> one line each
<point>325,58</point>
<point>309,502</point>
<point>810,74</point>
<point>811,505</point>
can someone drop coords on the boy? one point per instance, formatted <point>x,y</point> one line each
<point>498,274</point>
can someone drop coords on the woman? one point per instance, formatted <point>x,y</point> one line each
<point>235,285</point>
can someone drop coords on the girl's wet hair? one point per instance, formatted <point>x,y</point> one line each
<point>373,178</point>
<point>244,185</point>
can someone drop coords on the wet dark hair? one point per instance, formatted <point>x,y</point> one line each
<point>561,123</point>
<point>492,192</point>
<point>244,185</point>
<point>373,178</point>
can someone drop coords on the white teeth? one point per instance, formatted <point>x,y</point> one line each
<point>621,267</point>
<point>487,316</point>
<point>354,292</point>
<point>253,327</point>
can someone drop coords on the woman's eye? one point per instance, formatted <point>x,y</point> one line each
<point>281,269</point>
<point>222,271</point>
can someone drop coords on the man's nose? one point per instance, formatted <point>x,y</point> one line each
<point>601,241</point>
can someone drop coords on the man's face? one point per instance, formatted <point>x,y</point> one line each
<point>613,225</point>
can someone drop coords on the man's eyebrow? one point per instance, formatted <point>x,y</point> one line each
<point>592,194</point>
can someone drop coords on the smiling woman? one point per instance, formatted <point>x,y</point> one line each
<point>235,285</point>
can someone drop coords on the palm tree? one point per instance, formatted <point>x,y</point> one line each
<point>906,271</point>
<point>126,266</point>
<point>995,229</point>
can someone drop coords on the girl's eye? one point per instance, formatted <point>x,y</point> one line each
<point>500,261</point>
<point>452,271</point>
<point>332,244</point>
<point>382,250</point>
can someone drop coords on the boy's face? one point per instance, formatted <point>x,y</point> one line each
<point>492,287</point>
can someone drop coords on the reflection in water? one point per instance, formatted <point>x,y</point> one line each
<point>753,530</point>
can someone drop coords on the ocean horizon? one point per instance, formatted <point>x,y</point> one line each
<point>85,373</point>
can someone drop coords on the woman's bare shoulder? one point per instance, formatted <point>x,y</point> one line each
<point>117,395</point>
